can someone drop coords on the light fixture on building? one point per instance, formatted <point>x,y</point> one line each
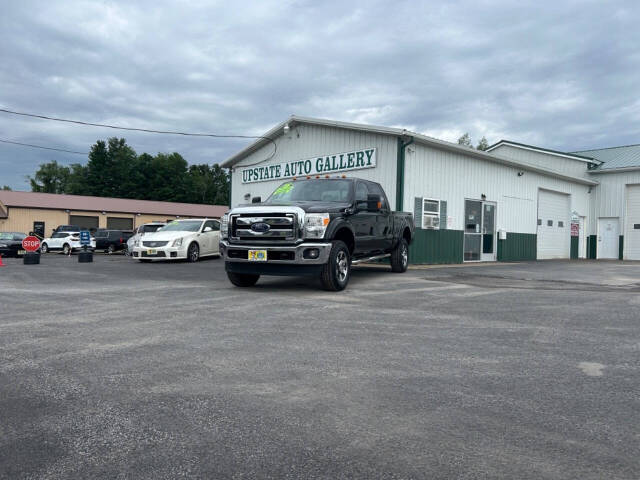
<point>104,213</point>
<point>247,196</point>
<point>483,196</point>
<point>520,173</point>
<point>67,211</point>
<point>137,214</point>
<point>287,128</point>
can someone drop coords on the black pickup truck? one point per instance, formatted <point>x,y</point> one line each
<point>315,226</point>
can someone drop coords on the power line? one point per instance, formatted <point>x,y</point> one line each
<point>145,130</point>
<point>44,148</point>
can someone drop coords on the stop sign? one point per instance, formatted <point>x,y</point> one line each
<point>31,243</point>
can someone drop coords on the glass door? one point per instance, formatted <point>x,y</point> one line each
<point>472,230</point>
<point>479,231</point>
<point>488,232</point>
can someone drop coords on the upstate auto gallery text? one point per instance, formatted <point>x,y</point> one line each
<point>331,163</point>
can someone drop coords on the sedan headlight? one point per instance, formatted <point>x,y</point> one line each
<point>224,226</point>
<point>177,242</point>
<point>315,224</point>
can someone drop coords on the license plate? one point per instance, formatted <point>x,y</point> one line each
<point>151,252</point>
<point>257,256</point>
<point>21,252</point>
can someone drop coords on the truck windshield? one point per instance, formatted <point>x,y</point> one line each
<point>320,190</point>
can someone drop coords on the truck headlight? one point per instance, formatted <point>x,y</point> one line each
<point>315,224</point>
<point>224,226</point>
<point>177,242</point>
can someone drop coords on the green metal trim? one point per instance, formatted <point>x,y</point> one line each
<point>621,247</point>
<point>400,157</point>
<point>436,246</point>
<point>592,246</point>
<point>574,247</point>
<point>518,247</point>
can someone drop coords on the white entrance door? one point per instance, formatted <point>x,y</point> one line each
<point>632,224</point>
<point>608,237</point>
<point>554,228</point>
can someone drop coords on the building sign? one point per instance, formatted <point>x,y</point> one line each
<point>327,164</point>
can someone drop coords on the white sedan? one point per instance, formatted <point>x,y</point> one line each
<point>187,239</point>
<point>65,242</point>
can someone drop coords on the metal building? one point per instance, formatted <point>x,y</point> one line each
<point>513,202</point>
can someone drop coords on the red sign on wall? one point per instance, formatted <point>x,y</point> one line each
<point>575,229</point>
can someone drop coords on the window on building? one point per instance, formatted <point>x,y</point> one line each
<point>549,223</point>
<point>539,221</point>
<point>560,224</point>
<point>430,213</point>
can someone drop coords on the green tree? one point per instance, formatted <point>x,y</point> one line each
<point>6,187</point>
<point>465,140</point>
<point>482,144</point>
<point>50,178</point>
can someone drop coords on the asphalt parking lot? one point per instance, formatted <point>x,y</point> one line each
<point>117,369</point>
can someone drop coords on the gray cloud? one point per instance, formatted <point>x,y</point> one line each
<point>562,75</point>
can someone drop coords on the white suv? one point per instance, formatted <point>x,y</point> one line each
<point>67,242</point>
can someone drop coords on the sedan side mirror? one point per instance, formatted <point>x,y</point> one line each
<point>207,229</point>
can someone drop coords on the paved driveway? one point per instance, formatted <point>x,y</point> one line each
<point>124,370</point>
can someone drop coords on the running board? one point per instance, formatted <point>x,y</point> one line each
<point>370,259</point>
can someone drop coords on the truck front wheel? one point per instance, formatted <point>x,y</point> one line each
<point>243,279</point>
<point>400,257</point>
<point>336,272</point>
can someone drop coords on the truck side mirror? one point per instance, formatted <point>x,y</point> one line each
<point>374,203</point>
<point>256,200</point>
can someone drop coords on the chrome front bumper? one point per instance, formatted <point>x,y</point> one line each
<point>296,252</point>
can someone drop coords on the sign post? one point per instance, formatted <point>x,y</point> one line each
<point>31,245</point>
<point>85,256</point>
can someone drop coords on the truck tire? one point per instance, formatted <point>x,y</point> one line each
<point>400,257</point>
<point>336,272</point>
<point>243,279</point>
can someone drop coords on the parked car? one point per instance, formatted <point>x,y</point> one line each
<point>111,241</point>
<point>139,232</point>
<point>181,239</point>
<point>67,228</point>
<point>316,227</point>
<point>66,242</point>
<point>11,244</point>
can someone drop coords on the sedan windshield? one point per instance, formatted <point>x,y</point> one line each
<point>320,190</point>
<point>183,226</point>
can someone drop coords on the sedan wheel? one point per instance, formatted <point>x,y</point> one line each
<point>194,253</point>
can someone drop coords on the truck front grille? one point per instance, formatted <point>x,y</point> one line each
<point>270,228</point>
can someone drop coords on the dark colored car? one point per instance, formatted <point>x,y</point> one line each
<point>67,228</point>
<point>111,240</point>
<point>316,227</point>
<point>11,244</point>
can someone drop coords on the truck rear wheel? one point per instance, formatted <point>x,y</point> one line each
<point>243,279</point>
<point>336,272</point>
<point>400,257</point>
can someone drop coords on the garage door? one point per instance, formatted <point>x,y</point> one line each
<point>632,223</point>
<point>119,223</point>
<point>554,235</point>
<point>84,221</point>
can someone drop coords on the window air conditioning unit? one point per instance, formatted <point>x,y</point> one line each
<point>430,222</point>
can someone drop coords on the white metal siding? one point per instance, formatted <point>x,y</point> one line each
<point>632,218</point>
<point>307,141</point>
<point>609,197</point>
<point>567,166</point>
<point>449,176</point>
<point>553,239</point>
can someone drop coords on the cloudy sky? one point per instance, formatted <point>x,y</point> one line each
<point>558,74</point>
